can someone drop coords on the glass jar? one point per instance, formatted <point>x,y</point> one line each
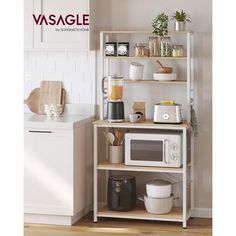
<point>153,46</point>
<point>165,47</point>
<point>178,51</point>
<point>115,88</point>
<point>141,50</point>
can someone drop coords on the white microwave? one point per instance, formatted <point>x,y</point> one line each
<point>143,149</point>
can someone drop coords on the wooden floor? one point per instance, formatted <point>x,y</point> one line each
<point>105,226</point>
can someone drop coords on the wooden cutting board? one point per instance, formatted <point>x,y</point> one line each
<point>50,93</point>
<point>33,100</point>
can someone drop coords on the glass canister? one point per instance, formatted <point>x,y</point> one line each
<point>165,47</point>
<point>141,50</point>
<point>178,51</point>
<point>115,88</point>
<point>153,46</point>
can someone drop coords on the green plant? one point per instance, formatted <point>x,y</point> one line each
<point>181,16</point>
<point>160,24</point>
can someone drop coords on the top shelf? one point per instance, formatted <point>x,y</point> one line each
<point>142,32</point>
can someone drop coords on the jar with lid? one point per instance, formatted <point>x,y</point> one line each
<point>165,47</point>
<point>141,50</point>
<point>153,46</point>
<point>178,51</point>
<point>115,88</point>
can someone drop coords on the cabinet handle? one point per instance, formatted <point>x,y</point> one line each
<point>40,131</point>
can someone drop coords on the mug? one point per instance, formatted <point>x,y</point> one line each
<point>133,117</point>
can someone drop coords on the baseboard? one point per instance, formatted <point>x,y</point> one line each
<point>202,212</point>
<point>55,219</point>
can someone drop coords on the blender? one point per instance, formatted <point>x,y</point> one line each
<point>114,92</point>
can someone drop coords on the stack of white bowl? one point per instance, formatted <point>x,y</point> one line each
<point>159,199</point>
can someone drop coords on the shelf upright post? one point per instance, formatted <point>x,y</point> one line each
<point>192,134</point>
<point>184,178</point>
<point>101,76</point>
<point>95,174</point>
<point>188,76</point>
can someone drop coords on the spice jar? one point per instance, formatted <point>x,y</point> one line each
<point>141,50</point>
<point>165,47</point>
<point>178,51</point>
<point>153,46</point>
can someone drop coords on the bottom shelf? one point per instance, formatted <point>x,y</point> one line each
<point>142,214</point>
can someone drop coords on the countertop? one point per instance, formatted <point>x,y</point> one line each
<point>61,122</point>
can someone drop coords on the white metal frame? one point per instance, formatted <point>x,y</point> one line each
<point>104,70</point>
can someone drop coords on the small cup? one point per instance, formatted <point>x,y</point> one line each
<point>116,155</point>
<point>57,110</point>
<point>48,110</point>
<point>134,118</point>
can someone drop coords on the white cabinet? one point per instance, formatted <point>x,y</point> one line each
<point>59,25</point>
<point>49,172</point>
<point>58,174</point>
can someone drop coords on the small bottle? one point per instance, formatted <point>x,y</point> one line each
<point>141,50</point>
<point>178,51</point>
<point>165,47</point>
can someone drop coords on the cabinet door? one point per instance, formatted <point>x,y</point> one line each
<point>28,24</point>
<point>48,176</point>
<point>61,36</point>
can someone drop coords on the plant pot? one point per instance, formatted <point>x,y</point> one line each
<point>180,25</point>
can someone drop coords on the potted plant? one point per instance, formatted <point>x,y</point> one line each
<point>180,18</point>
<point>160,24</point>
<point>160,28</point>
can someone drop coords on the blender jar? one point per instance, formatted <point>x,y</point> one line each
<point>115,88</point>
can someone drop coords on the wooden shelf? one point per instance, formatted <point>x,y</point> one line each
<point>147,58</point>
<point>151,81</point>
<point>148,124</point>
<point>142,214</point>
<point>123,167</point>
<point>142,32</point>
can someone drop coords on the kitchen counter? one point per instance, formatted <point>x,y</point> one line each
<point>61,122</point>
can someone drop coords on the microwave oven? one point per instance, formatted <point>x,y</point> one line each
<point>149,149</point>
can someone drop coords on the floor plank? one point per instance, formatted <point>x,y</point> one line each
<point>108,226</point>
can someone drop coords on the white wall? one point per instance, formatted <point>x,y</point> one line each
<point>76,69</point>
<point>138,15</point>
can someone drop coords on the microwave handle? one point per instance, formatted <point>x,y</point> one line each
<point>164,150</point>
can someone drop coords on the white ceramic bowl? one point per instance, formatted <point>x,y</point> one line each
<point>158,189</point>
<point>158,205</point>
<point>163,76</point>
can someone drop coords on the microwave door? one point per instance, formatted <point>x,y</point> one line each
<point>147,152</point>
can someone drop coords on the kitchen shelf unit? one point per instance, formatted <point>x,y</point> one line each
<point>177,214</point>
<point>104,64</point>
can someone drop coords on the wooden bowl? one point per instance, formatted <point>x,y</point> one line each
<point>165,70</point>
